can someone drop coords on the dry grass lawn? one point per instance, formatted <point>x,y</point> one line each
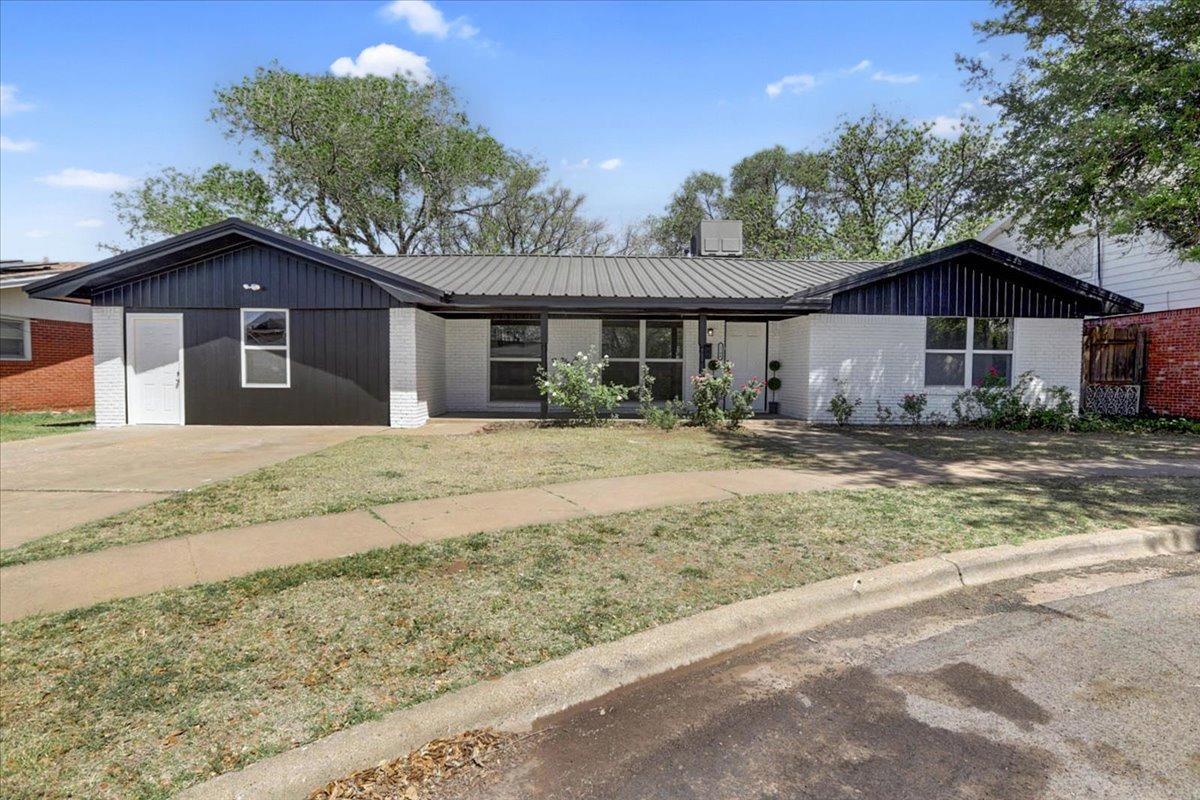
<point>141,697</point>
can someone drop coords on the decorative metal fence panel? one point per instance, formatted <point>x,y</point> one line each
<point>1120,401</point>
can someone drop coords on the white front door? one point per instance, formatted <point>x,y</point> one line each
<point>154,347</point>
<point>746,349</point>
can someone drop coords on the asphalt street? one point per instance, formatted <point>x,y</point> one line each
<point>1078,684</point>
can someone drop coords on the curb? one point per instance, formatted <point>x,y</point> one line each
<point>516,700</point>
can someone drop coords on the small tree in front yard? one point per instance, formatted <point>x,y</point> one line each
<point>578,386</point>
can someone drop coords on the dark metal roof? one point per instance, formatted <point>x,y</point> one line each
<point>624,277</point>
<point>1097,300</point>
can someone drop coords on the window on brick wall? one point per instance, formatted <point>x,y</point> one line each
<point>515,353</point>
<point>962,350</point>
<point>15,343</point>
<point>656,345</point>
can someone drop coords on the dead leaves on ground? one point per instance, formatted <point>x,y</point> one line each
<point>410,777</point>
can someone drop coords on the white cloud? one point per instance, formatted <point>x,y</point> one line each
<point>795,84</point>
<point>88,179</point>
<point>9,104</point>
<point>425,18</point>
<point>610,164</point>
<point>891,77</point>
<point>581,164</point>
<point>90,222</point>
<point>384,60</point>
<point>17,145</point>
<point>859,67</point>
<point>36,233</point>
<point>946,127</point>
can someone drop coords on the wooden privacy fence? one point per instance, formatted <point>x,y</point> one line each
<point>1114,362</point>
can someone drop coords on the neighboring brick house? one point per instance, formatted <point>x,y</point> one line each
<point>1144,270</point>
<point>45,345</point>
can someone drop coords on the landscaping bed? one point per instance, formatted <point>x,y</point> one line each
<point>141,697</point>
<point>16,425</point>
<point>947,444</point>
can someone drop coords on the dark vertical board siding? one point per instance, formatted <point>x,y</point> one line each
<point>339,370</point>
<point>216,282</point>
<point>957,289</point>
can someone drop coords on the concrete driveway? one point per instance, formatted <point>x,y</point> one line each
<point>52,483</point>
<point>1076,684</point>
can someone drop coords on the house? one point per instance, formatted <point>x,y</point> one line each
<point>235,324</point>
<point>1143,269</point>
<point>45,346</point>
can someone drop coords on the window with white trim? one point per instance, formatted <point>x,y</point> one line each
<point>266,361</point>
<point>15,343</point>
<point>656,345</point>
<point>961,351</point>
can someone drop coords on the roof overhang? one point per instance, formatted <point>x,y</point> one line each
<point>224,236</point>
<point>1097,301</point>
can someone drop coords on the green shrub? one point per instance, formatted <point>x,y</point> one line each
<point>578,386</point>
<point>912,406</point>
<point>709,390</point>
<point>741,403</point>
<point>995,405</point>
<point>1097,423</point>
<point>883,413</point>
<point>841,406</point>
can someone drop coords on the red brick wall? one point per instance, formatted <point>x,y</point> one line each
<point>58,376</point>
<point>1172,359</point>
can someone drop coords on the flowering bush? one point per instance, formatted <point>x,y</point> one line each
<point>912,406</point>
<point>993,404</point>
<point>741,403</point>
<point>841,406</point>
<point>709,390</point>
<point>578,386</point>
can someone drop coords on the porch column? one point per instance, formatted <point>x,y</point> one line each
<point>702,339</point>
<point>545,359</point>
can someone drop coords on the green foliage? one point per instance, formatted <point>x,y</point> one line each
<point>841,406</point>
<point>774,384</point>
<point>174,202</point>
<point>882,187</point>
<point>709,390</point>
<point>741,402</point>
<point>912,407</point>
<point>997,405</point>
<point>371,164</point>
<point>667,415</point>
<point>1095,423</point>
<point>578,386</point>
<point>1102,117</point>
<point>883,414</point>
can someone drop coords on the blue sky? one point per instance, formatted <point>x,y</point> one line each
<point>100,94</point>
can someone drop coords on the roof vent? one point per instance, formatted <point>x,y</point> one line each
<point>717,237</point>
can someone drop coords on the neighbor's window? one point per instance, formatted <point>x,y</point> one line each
<point>959,350</point>
<point>265,357</point>
<point>656,345</point>
<point>514,357</point>
<point>14,339</point>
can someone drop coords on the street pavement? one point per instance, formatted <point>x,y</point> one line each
<point>1078,684</point>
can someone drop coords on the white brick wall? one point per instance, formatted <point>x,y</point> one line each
<point>108,355</point>
<point>883,358</point>
<point>407,410</point>
<point>789,344</point>
<point>1051,348</point>
<point>431,361</point>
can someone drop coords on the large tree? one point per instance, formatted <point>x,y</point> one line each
<point>377,165</point>
<point>881,188</point>
<point>1101,113</point>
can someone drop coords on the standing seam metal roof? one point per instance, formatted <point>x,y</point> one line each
<point>616,276</point>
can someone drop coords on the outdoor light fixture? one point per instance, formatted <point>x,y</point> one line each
<point>710,333</point>
<point>251,287</point>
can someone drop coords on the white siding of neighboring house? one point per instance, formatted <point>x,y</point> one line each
<point>1142,268</point>
<point>15,303</point>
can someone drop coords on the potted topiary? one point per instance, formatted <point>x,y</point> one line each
<point>774,384</point>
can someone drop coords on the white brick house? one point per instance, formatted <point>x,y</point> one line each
<point>233,324</point>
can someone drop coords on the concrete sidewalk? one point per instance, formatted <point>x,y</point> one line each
<point>131,570</point>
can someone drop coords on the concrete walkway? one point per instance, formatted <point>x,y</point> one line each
<point>131,570</point>
<point>57,482</point>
